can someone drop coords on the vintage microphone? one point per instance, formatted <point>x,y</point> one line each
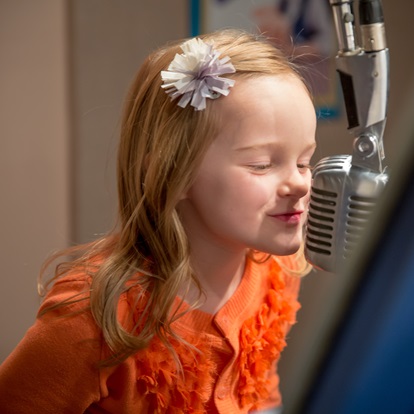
<point>345,188</point>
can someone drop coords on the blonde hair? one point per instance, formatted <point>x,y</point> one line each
<point>161,147</point>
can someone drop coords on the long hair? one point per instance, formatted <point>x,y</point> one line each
<point>161,147</point>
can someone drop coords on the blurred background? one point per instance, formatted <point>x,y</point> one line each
<point>65,66</point>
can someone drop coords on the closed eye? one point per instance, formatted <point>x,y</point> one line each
<point>305,167</point>
<point>261,167</point>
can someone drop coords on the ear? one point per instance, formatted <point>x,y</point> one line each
<point>186,193</point>
<point>183,196</point>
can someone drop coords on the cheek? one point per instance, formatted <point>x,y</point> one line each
<point>244,187</point>
<point>236,192</point>
<point>258,190</point>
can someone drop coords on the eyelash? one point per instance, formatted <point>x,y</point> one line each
<point>307,166</point>
<point>263,167</point>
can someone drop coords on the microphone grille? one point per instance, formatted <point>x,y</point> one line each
<point>323,206</point>
<point>320,224</point>
<point>359,211</point>
<point>342,200</point>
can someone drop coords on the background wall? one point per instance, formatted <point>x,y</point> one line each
<point>34,147</point>
<point>65,68</point>
<point>108,41</point>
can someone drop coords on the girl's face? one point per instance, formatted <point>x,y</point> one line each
<point>252,188</point>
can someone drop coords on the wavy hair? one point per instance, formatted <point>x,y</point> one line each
<point>161,147</point>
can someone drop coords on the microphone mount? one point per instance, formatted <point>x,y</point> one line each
<point>364,75</point>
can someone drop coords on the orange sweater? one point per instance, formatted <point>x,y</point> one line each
<point>54,368</point>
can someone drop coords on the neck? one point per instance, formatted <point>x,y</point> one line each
<point>218,263</point>
<point>219,272</point>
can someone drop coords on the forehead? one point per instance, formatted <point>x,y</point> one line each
<point>248,91</point>
<point>266,106</point>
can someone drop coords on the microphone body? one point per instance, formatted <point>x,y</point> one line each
<point>343,197</point>
<point>346,188</point>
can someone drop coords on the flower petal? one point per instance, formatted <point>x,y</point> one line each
<point>196,72</point>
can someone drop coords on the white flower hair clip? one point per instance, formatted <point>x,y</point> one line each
<point>195,74</point>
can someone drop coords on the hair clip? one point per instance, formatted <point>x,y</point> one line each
<point>195,75</point>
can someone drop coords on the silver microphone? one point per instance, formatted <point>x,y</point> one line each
<point>345,188</point>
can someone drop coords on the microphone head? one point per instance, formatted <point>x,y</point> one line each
<point>342,199</point>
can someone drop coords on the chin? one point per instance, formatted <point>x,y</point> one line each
<point>283,249</point>
<point>286,251</point>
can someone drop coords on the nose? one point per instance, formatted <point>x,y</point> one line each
<point>296,183</point>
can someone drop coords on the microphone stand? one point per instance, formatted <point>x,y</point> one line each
<point>345,188</point>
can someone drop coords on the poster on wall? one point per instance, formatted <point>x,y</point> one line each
<point>303,29</point>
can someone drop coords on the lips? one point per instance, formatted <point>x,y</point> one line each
<point>293,217</point>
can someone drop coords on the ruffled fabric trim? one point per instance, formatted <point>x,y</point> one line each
<point>169,391</point>
<point>262,339</point>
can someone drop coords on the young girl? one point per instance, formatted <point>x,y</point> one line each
<point>184,308</point>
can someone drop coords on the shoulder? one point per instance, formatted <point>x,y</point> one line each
<point>65,312</point>
<point>70,292</point>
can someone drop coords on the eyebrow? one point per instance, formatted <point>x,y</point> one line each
<point>270,145</point>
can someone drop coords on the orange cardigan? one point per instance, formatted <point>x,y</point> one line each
<point>54,368</point>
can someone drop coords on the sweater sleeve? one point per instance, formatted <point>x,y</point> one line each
<point>54,368</point>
